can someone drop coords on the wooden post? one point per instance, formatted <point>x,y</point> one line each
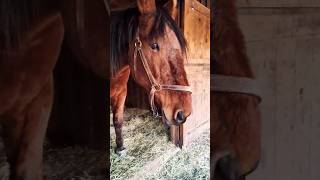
<point>176,135</point>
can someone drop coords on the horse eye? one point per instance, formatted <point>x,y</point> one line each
<point>155,46</point>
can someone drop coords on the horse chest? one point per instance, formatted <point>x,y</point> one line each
<point>19,82</point>
<point>25,71</point>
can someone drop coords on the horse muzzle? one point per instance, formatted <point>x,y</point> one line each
<point>178,119</point>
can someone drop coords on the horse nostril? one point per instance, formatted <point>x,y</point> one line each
<point>180,117</point>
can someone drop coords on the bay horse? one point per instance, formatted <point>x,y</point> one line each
<point>235,112</point>
<point>148,45</point>
<point>31,35</point>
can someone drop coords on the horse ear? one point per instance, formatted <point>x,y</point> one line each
<point>171,7</point>
<point>147,6</point>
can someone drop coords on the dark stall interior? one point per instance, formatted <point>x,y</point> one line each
<point>80,105</point>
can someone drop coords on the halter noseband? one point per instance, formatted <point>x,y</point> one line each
<point>154,85</point>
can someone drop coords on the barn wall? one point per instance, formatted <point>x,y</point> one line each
<point>278,3</point>
<point>79,110</point>
<point>284,47</point>
<point>196,28</point>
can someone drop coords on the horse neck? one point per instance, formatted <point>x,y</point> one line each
<point>229,44</point>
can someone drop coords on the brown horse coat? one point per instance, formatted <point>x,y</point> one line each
<point>26,95</point>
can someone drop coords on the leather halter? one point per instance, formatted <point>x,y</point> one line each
<point>155,87</point>
<point>231,84</point>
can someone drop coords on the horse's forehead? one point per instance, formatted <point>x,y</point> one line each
<point>171,38</point>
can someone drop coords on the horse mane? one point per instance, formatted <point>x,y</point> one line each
<point>16,17</point>
<point>229,51</point>
<point>124,26</point>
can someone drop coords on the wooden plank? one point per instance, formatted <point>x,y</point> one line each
<point>199,79</point>
<point>79,112</point>
<point>261,25</point>
<point>284,52</point>
<point>264,69</point>
<point>303,107</point>
<point>196,27</point>
<point>278,3</point>
<point>314,82</point>
<point>285,103</point>
<point>176,136</point>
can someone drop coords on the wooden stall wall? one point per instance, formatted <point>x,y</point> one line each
<point>196,27</point>
<point>283,43</point>
<point>79,114</point>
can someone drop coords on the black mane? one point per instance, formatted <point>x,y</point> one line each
<point>124,25</point>
<point>16,17</point>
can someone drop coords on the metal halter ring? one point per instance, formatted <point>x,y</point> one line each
<point>156,87</point>
<point>138,44</point>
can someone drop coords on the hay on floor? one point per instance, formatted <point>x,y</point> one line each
<point>144,138</point>
<point>191,163</point>
<point>147,143</point>
<point>69,163</point>
<point>74,163</point>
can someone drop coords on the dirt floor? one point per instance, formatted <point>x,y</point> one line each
<point>70,163</point>
<point>149,154</point>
